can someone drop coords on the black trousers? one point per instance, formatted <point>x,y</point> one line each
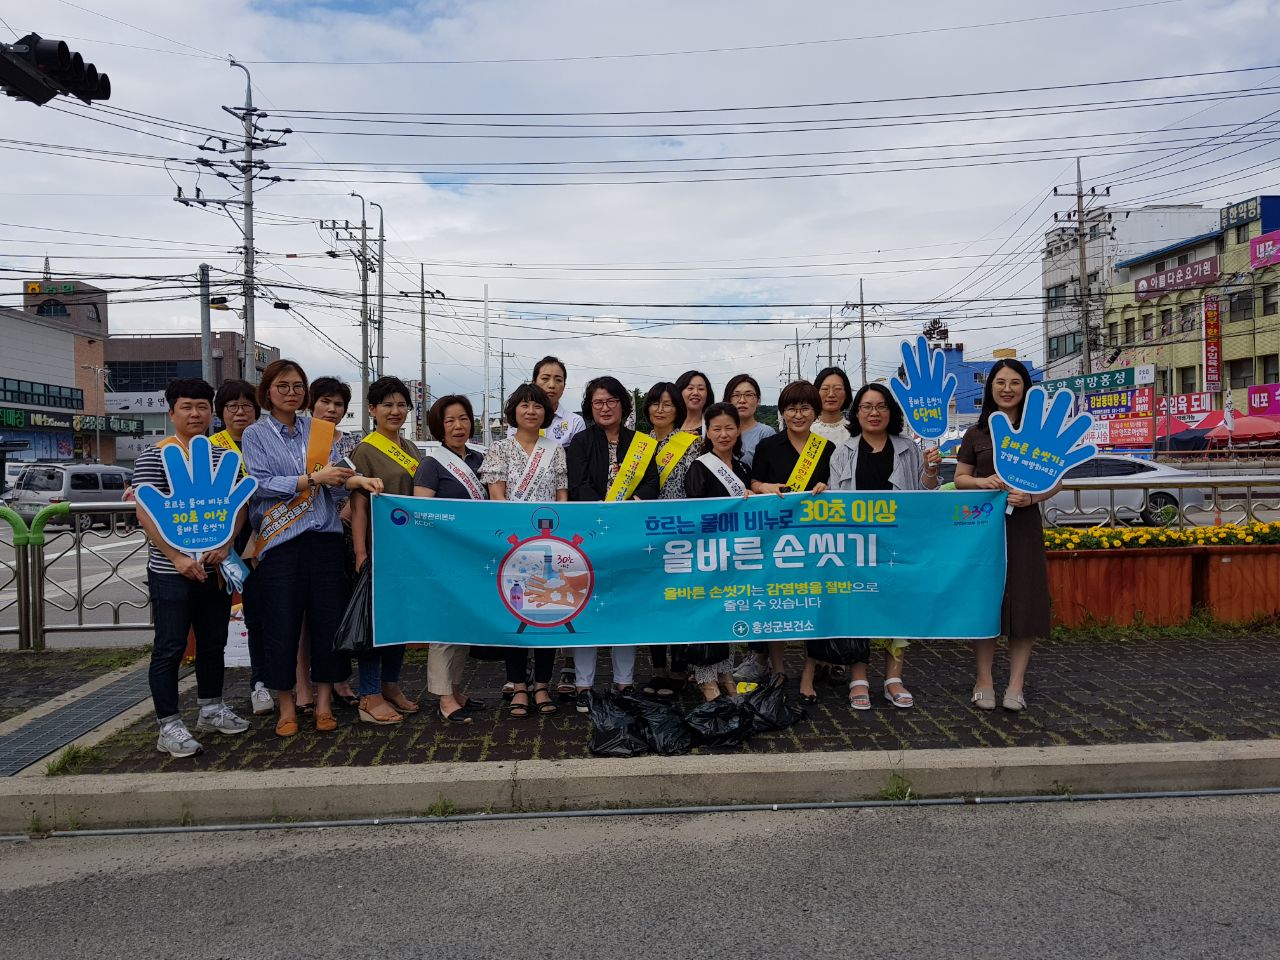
<point>544,663</point>
<point>658,656</point>
<point>180,605</point>
<point>303,578</point>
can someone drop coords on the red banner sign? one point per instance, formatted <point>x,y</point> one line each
<point>1185,404</point>
<point>1128,432</point>
<point>1212,345</point>
<point>1189,275</point>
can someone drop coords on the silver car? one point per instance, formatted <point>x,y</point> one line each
<point>41,484</point>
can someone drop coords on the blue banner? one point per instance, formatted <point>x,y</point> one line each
<point>920,565</point>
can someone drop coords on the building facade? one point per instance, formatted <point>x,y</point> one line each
<point>1205,311</point>
<point>971,377</point>
<point>1111,235</point>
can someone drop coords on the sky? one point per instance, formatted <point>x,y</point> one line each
<point>643,188</point>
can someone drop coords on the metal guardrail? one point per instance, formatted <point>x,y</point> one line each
<point>16,573</point>
<point>1165,501</point>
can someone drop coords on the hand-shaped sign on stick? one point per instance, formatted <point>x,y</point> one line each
<point>927,392</point>
<point>1033,457</point>
<point>199,514</point>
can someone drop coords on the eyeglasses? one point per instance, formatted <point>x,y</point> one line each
<point>872,408</point>
<point>289,387</point>
<point>393,405</point>
<point>661,405</point>
<point>800,409</point>
<point>240,407</point>
<point>607,404</point>
<point>748,395</point>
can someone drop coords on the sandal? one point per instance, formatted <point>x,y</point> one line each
<point>1014,701</point>
<point>859,701</point>
<point>458,716</point>
<point>345,700</point>
<point>507,690</point>
<point>473,704</point>
<point>808,698</point>
<point>984,698</point>
<point>519,710</point>
<point>305,709</point>
<point>903,700</point>
<point>659,687</point>
<point>837,674</point>
<point>384,717</point>
<point>403,704</point>
<point>567,686</point>
<point>545,707</point>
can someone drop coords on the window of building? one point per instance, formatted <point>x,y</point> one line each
<point>51,308</point>
<point>1188,316</point>
<point>1271,299</point>
<point>1269,367</point>
<point>1188,379</point>
<point>1242,233</point>
<point>1055,296</point>
<point>1163,377</point>
<point>146,376</point>
<point>1113,334</point>
<point>1240,372</point>
<point>1184,259</point>
<point>1129,327</point>
<point>978,377</point>
<point>1148,326</point>
<point>1166,322</point>
<point>1064,345</point>
<point>1240,305</point>
<point>1158,267</point>
<point>1094,230</point>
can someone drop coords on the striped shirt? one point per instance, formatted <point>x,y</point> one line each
<point>149,468</point>
<point>277,457</point>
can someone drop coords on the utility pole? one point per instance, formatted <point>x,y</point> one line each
<point>484,403</point>
<point>379,357</point>
<point>1081,236</point>
<point>799,375</point>
<point>502,369</point>
<point>830,352</point>
<point>422,344</point>
<point>206,327</point>
<point>364,316</point>
<point>862,323</point>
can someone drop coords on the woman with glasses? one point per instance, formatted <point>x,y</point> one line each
<point>793,461</point>
<point>877,457</point>
<point>528,467</point>
<point>835,390</point>
<point>695,390</point>
<point>744,393</point>
<point>387,455</point>
<point>294,511</point>
<point>608,462</point>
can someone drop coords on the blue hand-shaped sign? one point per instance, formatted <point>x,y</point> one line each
<point>1033,457</point>
<point>200,513</point>
<point>927,392</point>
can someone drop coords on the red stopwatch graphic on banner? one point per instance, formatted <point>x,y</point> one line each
<point>545,580</point>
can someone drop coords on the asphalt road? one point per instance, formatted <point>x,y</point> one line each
<point>1130,879</point>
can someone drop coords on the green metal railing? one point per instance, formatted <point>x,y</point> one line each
<point>21,577</point>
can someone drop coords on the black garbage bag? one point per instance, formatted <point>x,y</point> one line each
<point>355,632</point>
<point>768,707</point>
<point>839,650</point>
<point>663,726</point>
<point>705,654</point>
<point>486,653</point>
<point>614,731</point>
<point>721,722</point>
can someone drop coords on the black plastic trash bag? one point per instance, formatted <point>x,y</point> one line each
<point>614,731</point>
<point>662,725</point>
<point>486,653</point>
<point>768,707</point>
<point>839,650</point>
<point>705,654</point>
<point>720,723</point>
<point>355,632</point>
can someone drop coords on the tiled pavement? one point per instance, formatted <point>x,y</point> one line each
<point>30,679</point>
<point>1103,691</point>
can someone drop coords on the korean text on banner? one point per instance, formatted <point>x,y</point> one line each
<point>1264,399</point>
<point>1212,344</point>
<point>914,565</point>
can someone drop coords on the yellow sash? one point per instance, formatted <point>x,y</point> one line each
<point>280,517</point>
<point>224,440</point>
<point>631,469</point>
<point>669,456</point>
<point>393,451</point>
<point>802,473</point>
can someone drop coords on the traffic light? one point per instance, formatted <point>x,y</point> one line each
<point>38,70</point>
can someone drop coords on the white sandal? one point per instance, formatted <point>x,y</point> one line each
<point>903,700</point>
<point>861,701</point>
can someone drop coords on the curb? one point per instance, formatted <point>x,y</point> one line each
<point>169,799</point>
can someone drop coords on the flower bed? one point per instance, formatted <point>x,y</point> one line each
<point>1128,538</point>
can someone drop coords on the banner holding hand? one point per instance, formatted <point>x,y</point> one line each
<point>200,513</point>
<point>1035,455</point>
<point>926,394</point>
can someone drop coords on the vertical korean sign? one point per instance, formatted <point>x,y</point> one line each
<point>1212,344</point>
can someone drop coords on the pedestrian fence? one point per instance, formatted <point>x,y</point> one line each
<point>81,568</point>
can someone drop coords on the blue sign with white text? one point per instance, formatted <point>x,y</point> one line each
<point>899,565</point>
<point>1034,456</point>
<point>199,513</point>
<point>927,392</point>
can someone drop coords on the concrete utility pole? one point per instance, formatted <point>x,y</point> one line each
<point>379,357</point>
<point>799,375</point>
<point>364,316</point>
<point>206,328</point>
<point>862,328</point>
<point>830,321</point>
<point>502,370</point>
<point>250,343</point>
<point>1081,237</point>
<point>422,344</point>
<point>484,402</point>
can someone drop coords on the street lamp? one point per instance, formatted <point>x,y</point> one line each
<point>98,373</point>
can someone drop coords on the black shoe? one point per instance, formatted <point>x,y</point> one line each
<point>473,704</point>
<point>582,701</point>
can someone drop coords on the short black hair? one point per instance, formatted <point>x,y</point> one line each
<point>435,416</point>
<point>897,419</point>
<point>328,387</point>
<point>799,393</point>
<point>844,382</point>
<point>686,378</point>
<point>533,392</point>
<point>655,394</point>
<point>739,380</point>
<point>233,390</point>
<point>385,387</point>
<point>722,410</point>
<point>546,361</point>
<point>611,385</point>
<point>187,388</point>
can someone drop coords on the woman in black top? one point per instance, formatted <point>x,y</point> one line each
<point>774,464</point>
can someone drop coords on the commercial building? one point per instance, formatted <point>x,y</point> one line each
<point>51,374</point>
<point>1111,235</point>
<point>971,376</point>
<point>1206,310</point>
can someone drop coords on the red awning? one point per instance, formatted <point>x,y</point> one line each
<point>1250,429</point>
<point>1170,425</point>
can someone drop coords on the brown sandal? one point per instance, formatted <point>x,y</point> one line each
<point>404,704</point>
<point>367,714</point>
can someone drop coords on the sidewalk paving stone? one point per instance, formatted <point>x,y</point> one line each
<point>1080,692</point>
<point>32,678</point>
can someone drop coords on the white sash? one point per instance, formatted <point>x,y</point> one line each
<point>539,463</point>
<point>720,470</point>
<point>458,469</point>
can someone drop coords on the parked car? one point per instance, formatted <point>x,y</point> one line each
<point>1098,475</point>
<point>41,484</point>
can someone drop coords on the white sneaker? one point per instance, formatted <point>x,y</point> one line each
<point>220,717</point>
<point>177,741</point>
<point>262,701</point>
<point>751,670</point>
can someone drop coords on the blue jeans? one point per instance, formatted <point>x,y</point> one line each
<point>179,606</point>
<point>378,667</point>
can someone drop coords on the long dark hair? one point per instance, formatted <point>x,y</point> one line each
<point>988,394</point>
<point>723,410</point>
<point>896,417</point>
